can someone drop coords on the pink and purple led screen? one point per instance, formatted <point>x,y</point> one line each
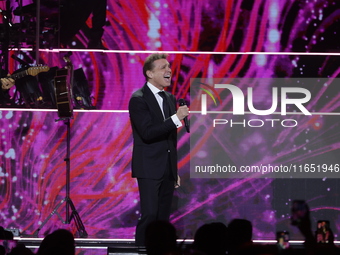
<point>33,144</point>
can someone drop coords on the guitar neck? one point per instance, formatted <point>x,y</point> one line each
<point>18,75</point>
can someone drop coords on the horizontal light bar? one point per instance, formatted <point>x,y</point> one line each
<point>127,111</point>
<point>77,239</point>
<point>106,242</point>
<point>184,52</point>
<point>274,113</point>
<point>55,110</point>
<point>132,240</point>
<point>79,247</point>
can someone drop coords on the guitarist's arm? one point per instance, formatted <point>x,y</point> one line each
<point>6,84</point>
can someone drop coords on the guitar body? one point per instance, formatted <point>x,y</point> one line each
<point>62,88</point>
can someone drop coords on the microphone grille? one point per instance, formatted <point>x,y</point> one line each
<point>181,102</point>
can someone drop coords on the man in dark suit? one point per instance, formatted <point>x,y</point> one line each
<point>154,122</point>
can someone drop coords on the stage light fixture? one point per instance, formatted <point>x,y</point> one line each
<point>81,92</point>
<point>46,80</point>
<point>30,93</point>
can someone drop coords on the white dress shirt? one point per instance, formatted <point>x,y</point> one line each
<point>159,99</point>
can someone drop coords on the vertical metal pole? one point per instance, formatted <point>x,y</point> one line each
<point>68,171</point>
<point>59,22</point>
<point>5,44</point>
<point>21,23</point>
<point>37,34</point>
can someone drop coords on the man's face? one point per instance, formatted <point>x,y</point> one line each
<point>160,75</point>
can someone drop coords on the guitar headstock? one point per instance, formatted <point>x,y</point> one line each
<point>37,69</point>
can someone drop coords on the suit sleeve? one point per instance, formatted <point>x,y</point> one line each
<point>145,121</point>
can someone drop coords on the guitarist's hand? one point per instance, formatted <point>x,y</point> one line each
<point>7,83</point>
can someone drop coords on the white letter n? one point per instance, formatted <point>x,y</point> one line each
<point>238,97</point>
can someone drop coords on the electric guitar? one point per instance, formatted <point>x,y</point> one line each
<point>34,70</point>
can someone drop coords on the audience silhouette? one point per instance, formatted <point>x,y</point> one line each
<point>21,249</point>
<point>59,242</point>
<point>160,238</point>
<point>210,239</point>
<point>2,250</point>
<point>240,233</point>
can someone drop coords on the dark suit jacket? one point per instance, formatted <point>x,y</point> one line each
<point>153,136</point>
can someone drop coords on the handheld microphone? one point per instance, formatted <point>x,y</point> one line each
<point>186,122</point>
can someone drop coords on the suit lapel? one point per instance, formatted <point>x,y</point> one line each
<point>151,100</point>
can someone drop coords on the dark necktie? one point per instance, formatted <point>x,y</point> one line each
<point>166,109</point>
